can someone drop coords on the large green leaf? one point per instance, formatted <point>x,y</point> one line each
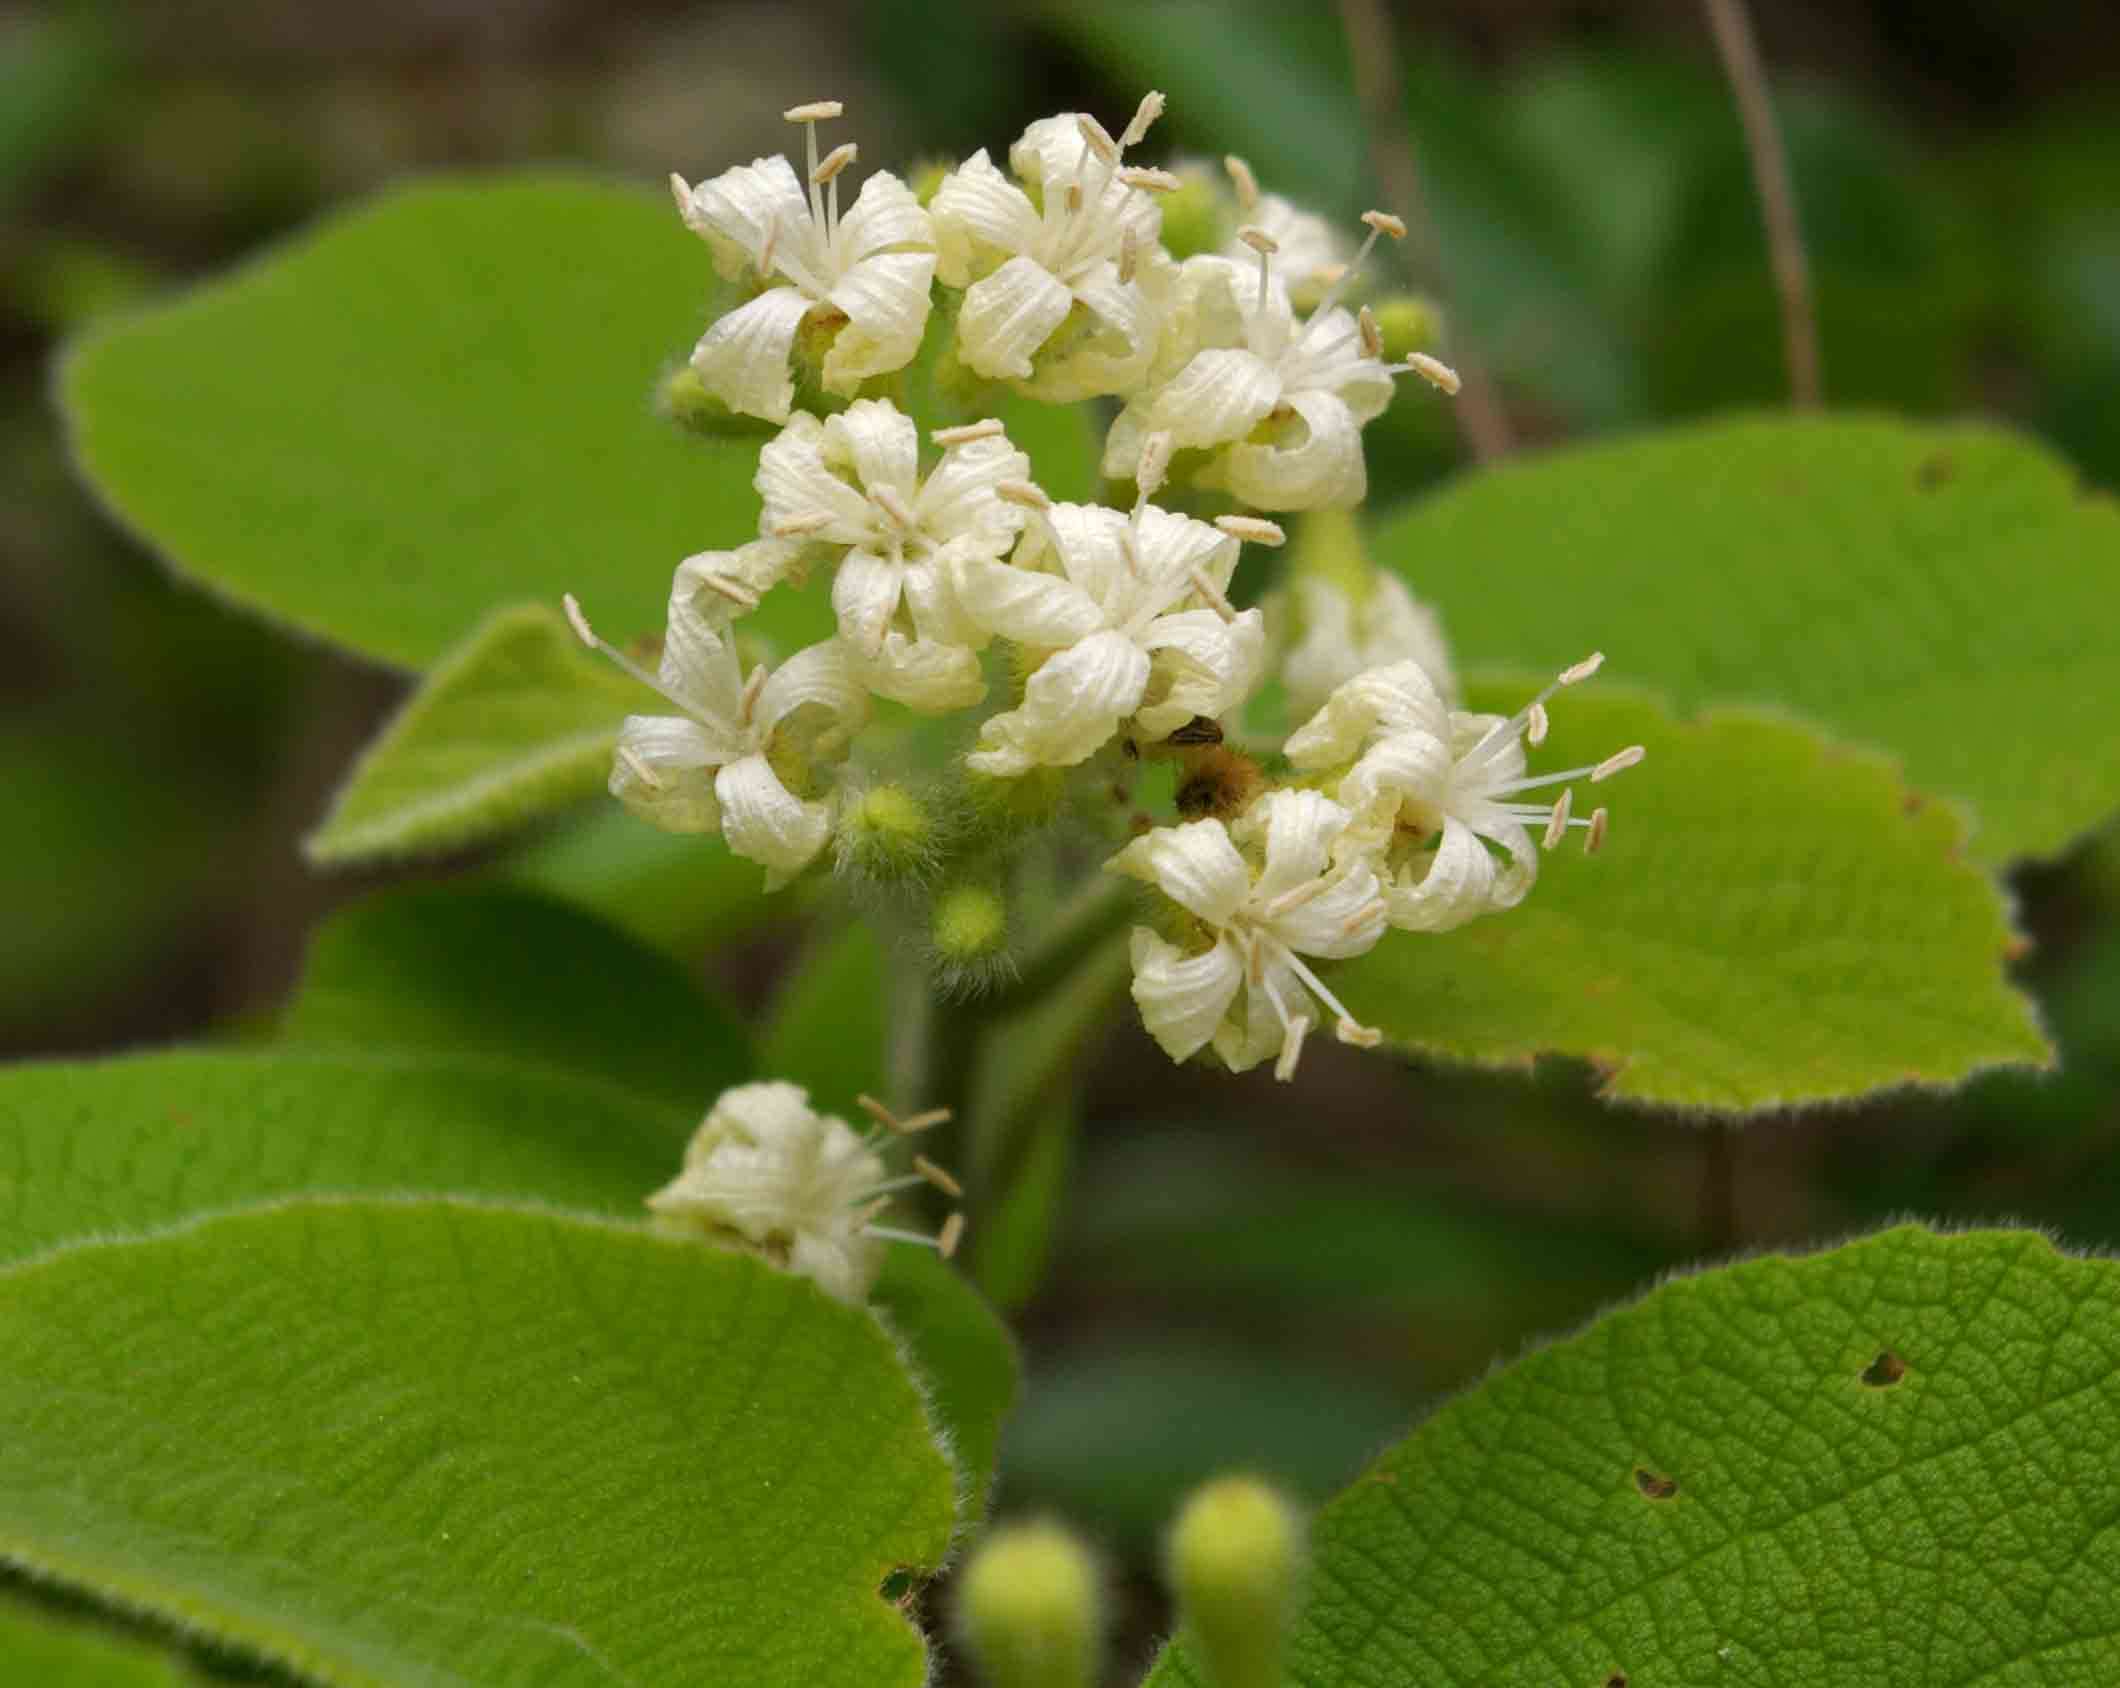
<point>38,1649</point>
<point>1889,1464</point>
<point>456,970</point>
<point>429,407</point>
<point>1773,920</point>
<point>519,720</point>
<point>428,1442</point>
<point>1943,593</point>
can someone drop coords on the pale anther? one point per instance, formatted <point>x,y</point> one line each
<point>1618,762</point>
<point>1152,181</point>
<point>922,1122</point>
<point>1074,197</point>
<point>1364,915</point>
<point>1372,336</point>
<point>1535,725</point>
<point>1097,138</point>
<point>937,1176</point>
<point>1355,1033</point>
<point>1434,371</point>
<point>797,527</point>
<point>579,622</point>
<point>952,1234</point>
<point>1145,115</point>
<point>987,428</point>
<point>1154,463</point>
<point>641,771</point>
<point>1594,839</point>
<point>1252,530</point>
<point>751,688</point>
<point>1284,1068</point>
<point>887,499</point>
<point>835,161</point>
<point>1557,822</point>
<point>765,252</point>
<point>815,112</point>
<point>1026,493</point>
<point>1241,178</point>
<point>1385,223</point>
<point>1213,594</point>
<point>729,587</point>
<point>1329,275</point>
<point>1129,254</point>
<point>1582,670</point>
<point>1258,239</point>
<point>1295,897</point>
<point>681,191</point>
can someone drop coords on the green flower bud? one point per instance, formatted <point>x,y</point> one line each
<point>970,925</point>
<point>1029,1609</point>
<point>926,178</point>
<point>1409,324</point>
<point>683,398</point>
<point>887,833</point>
<point>1236,1559</point>
<point>1327,545</point>
<point>1200,216</point>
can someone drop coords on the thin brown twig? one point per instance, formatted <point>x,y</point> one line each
<point>1376,80</point>
<point>1731,24</point>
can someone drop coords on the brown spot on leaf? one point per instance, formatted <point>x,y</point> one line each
<point>1618,1679</point>
<point>1912,803</point>
<point>1884,1371</point>
<point>1937,469</point>
<point>1654,1485</point>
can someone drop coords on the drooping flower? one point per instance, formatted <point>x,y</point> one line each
<point>766,1171</point>
<point>1434,788</point>
<point>862,278</point>
<point>1101,591</point>
<point>1275,887</point>
<point>1064,276</point>
<point>739,753</point>
<point>1342,634</point>
<point>853,483</point>
<point>1278,399</point>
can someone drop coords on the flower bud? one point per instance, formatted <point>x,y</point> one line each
<point>683,398</point>
<point>1029,1609</point>
<point>1197,217</point>
<point>970,925</point>
<point>1236,1558</point>
<point>887,833</point>
<point>926,178</point>
<point>1409,324</point>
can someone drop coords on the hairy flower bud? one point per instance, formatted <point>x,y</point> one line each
<point>682,398</point>
<point>887,833</point>
<point>1236,1558</point>
<point>970,925</point>
<point>1029,1609</point>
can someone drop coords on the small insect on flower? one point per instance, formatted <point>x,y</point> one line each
<point>766,1172</point>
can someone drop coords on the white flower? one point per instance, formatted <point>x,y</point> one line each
<point>1434,787</point>
<point>868,273</point>
<point>1120,644</point>
<point>799,1187</point>
<point>1249,991</point>
<point>1279,400</point>
<point>1342,635</point>
<point>722,763</point>
<point>852,482</point>
<point>1077,275</point>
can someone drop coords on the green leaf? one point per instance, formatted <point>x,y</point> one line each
<point>1942,593</point>
<point>427,408</point>
<point>829,1030</point>
<point>1774,920</point>
<point>1891,1463</point>
<point>425,1442</point>
<point>965,1354</point>
<point>517,721</point>
<point>40,1650</point>
<point>456,971</point>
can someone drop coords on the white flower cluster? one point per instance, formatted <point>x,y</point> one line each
<point>1397,808</point>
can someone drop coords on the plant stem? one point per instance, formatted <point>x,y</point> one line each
<point>1731,24</point>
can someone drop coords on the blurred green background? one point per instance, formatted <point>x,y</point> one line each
<point>1231,1284</point>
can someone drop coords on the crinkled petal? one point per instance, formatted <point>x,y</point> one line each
<point>842,1262</point>
<point>743,359</point>
<point>1110,349</point>
<point>1195,865</point>
<point>1122,443</point>
<point>1171,546</point>
<point>735,211</point>
<point>865,596</point>
<point>1071,707</point>
<point>884,217</point>
<point>699,652</point>
<point>978,212</point>
<point>798,486</point>
<point>1007,317</point>
<point>958,500</point>
<point>1260,1032</point>
<point>1024,605</point>
<point>762,1114</point>
<point>1298,829</point>
<point>1091,541</point>
<point>816,677</point>
<point>1346,918</point>
<point>881,443</point>
<point>1322,467</point>
<point>886,302</point>
<point>925,674</point>
<point>664,772</point>
<point>1217,398</point>
<point>764,822</point>
<point>1503,759</point>
<point>1408,765</point>
<point>1396,697</point>
<point>1458,885</point>
<point>1182,997</point>
<point>1202,665</point>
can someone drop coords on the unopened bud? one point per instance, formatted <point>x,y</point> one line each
<point>1196,215</point>
<point>1407,323</point>
<point>887,833</point>
<point>1236,1566</point>
<point>926,178</point>
<point>1029,1609</point>
<point>970,926</point>
<point>683,398</point>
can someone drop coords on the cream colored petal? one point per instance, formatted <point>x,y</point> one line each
<point>1195,865</point>
<point>766,823</point>
<point>1296,830</point>
<point>842,1261</point>
<point>798,486</point>
<point>763,1113</point>
<point>865,596</point>
<point>816,677</point>
<point>1503,759</point>
<point>1408,765</point>
<point>1458,885</point>
<point>1322,466</point>
<point>664,772</point>
<point>1217,398</point>
<point>743,359</point>
<point>886,302</point>
<point>958,500</point>
<point>884,217</point>
<point>881,443</point>
<point>699,652</point>
<point>735,211</point>
<point>977,213</point>
<point>1108,350</point>
<point>1202,665</point>
<point>1182,997</point>
<point>1071,707</point>
<point>923,674</point>
<point>1091,551</point>
<point>1031,608</point>
<point>1007,317</point>
<point>1257,1032</point>
<point>1122,444</point>
<point>1397,697</point>
<point>1346,918</point>
<point>1171,546</point>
